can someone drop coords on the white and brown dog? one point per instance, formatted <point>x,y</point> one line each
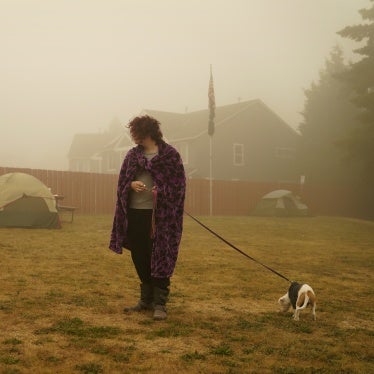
<point>299,296</point>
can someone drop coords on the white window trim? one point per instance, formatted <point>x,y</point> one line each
<point>235,148</point>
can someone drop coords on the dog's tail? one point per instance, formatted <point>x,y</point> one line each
<point>312,297</point>
<point>304,298</point>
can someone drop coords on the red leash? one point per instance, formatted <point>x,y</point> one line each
<point>236,248</point>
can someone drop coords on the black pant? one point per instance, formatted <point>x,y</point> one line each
<point>139,230</point>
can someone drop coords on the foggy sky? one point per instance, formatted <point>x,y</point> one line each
<point>71,66</point>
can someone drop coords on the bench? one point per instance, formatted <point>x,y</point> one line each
<point>65,208</point>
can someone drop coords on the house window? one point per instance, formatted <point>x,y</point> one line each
<point>183,151</point>
<point>238,154</point>
<point>284,152</point>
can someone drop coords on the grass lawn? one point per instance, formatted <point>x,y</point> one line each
<point>62,293</point>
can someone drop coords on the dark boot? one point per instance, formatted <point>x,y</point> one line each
<point>146,299</point>
<point>160,298</point>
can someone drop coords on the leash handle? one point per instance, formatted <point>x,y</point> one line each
<point>153,225</point>
<point>236,248</point>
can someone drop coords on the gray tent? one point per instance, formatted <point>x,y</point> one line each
<point>25,201</point>
<point>280,203</point>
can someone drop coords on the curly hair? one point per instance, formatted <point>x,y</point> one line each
<point>143,126</point>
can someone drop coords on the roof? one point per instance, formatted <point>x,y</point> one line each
<point>191,124</point>
<point>86,145</point>
<point>180,126</point>
<point>120,142</point>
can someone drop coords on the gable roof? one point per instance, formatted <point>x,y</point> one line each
<point>119,143</point>
<point>183,126</point>
<point>86,145</point>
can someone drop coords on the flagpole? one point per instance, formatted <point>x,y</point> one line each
<point>212,107</point>
<point>210,175</point>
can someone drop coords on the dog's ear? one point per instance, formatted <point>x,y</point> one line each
<point>284,302</point>
<point>282,299</point>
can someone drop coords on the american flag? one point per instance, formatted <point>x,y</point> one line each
<point>212,104</point>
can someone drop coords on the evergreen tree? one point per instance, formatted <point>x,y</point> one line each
<point>359,145</point>
<point>328,115</point>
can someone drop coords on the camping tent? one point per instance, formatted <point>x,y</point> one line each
<point>26,202</point>
<point>280,203</point>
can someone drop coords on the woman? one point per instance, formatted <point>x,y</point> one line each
<point>149,212</point>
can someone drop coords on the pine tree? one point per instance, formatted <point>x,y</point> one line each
<point>359,144</point>
<point>328,116</point>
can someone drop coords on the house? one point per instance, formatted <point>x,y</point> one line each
<point>83,153</point>
<point>250,142</point>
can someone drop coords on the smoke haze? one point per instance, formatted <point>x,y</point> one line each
<point>71,66</point>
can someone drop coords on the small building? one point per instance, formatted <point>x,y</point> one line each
<point>83,153</point>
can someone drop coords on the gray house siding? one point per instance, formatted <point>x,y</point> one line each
<point>268,149</point>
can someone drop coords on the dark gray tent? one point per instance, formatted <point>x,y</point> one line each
<point>280,203</point>
<point>25,201</point>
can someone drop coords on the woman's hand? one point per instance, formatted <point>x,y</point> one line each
<point>138,186</point>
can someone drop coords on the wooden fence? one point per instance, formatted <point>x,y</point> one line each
<point>96,194</point>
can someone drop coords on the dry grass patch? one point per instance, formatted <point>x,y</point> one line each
<point>62,293</point>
